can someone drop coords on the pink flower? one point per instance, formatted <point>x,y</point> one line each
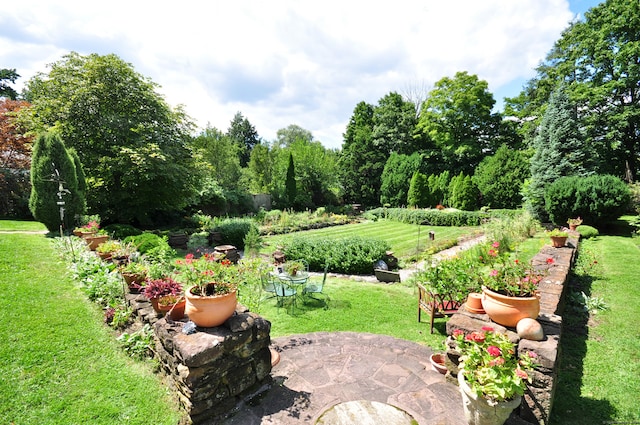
<point>487,328</point>
<point>493,273</point>
<point>522,374</point>
<point>498,361</point>
<point>493,253</point>
<point>495,244</point>
<point>457,333</point>
<point>493,351</point>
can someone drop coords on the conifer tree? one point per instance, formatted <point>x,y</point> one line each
<point>418,195</point>
<point>52,169</point>
<point>290,182</point>
<point>559,151</point>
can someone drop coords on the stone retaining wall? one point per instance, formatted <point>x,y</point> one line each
<point>538,399</point>
<point>212,370</point>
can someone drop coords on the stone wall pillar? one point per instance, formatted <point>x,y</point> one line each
<point>213,369</point>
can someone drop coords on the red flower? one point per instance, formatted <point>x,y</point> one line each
<point>476,337</point>
<point>487,328</point>
<point>493,351</point>
<point>458,332</point>
<point>550,260</point>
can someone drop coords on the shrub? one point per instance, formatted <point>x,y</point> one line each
<point>500,178</point>
<point>122,231</point>
<point>234,230</point>
<point>597,199</point>
<point>146,242</point>
<point>587,232</point>
<point>355,255</point>
<point>432,217</point>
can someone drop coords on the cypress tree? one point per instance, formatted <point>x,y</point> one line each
<point>290,182</point>
<point>50,162</point>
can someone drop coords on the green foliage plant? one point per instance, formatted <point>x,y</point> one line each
<point>138,344</point>
<point>147,241</point>
<point>234,230</point>
<point>587,232</point>
<point>450,277</point>
<point>432,217</point>
<point>596,198</point>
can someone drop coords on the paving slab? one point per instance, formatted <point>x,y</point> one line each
<point>323,373</point>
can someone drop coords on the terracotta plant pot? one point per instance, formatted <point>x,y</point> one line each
<point>474,303</point>
<point>478,410</point>
<point>573,227</point>
<point>558,241</point>
<point>210,311</point>
<point>94,241</point>
<point>175,312</point>
<point>508,311</point>
<point>437,363</point>
<point>133,281</point>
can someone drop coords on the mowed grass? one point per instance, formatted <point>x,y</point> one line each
<point>21,226</point>
<point>59,363</point>
<point>405,239</point>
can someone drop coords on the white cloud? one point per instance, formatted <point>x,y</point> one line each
<point>285,62</point>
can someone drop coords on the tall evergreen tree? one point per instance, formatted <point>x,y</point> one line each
<point>244,134</point>
<point>290,183</point>
<point>52,168</point>
<point>500,178</point>
<point>418,195</point>
<point>559,151</point>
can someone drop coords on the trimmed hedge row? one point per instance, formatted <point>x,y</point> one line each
<point>432,217</point>
<point>354,255</point>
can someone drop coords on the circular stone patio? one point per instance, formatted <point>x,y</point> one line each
<point>320,373</point>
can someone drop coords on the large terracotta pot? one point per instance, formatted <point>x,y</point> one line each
<point>508,311</point>
<point>210,311</point>
<point>479,411</point>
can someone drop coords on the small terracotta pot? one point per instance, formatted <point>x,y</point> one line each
<point>558,241</point>
<point>474,303</point>
<point>437,363</point>
<point>175,312</point>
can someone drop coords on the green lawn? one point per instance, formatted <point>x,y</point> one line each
<point>21,226</point>
<point>59,364</point>
<point>405,239</point>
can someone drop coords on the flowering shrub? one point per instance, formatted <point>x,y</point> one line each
<point>512,277</point>
<point>207,275</point>
<point>90,227</point>
<point>490,365</point>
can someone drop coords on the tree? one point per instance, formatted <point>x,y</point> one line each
<point>396,177</point>
<point>290,182</point>
<point>394,123</point>
<point>15,162</point>
<point>244,134</point>
<point>458,118</point>
<point>463,194</point>
<point>133,146</point>
<point>11,76</point>
<point>260,169</point>
<point>52,169</point>
<point>292,133</point>
<point>361,163</point>
<point>418,195</point>
<point>598,61</point>
<point>558,151</point>
<point>500,178</point>
<point>220,154</point>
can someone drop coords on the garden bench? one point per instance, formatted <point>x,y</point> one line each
<point>436,305</point>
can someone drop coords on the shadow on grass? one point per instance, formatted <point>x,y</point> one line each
<point>570,406</point>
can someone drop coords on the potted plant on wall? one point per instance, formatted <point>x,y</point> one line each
<point>491,376</point>
<point>558,237</point>
<point>211,288</point>
<point>574,223</point>
<point>134,274</point>
<point>156,288</point>
<point>106,249</point>
<point>510,290</point>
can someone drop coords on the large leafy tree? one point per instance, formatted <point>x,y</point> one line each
<point>598,59</point>
<point>15,161</point>
<point>54,179</point>
<point>133,145</point>
<point>559,151</point>
<point>457,117</point>
<point>361,162</point>
<point>244,134</point>
<point>260,169</point>
<point>292,133</point>
<point>220,155</point>
<point>8,76</point>
<point>394,123</point>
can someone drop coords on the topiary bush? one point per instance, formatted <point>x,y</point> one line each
<point>597,199</point>
<point>587,232</point>
<point>355,255</point>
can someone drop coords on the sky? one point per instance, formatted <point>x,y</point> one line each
<point>283,62</point>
